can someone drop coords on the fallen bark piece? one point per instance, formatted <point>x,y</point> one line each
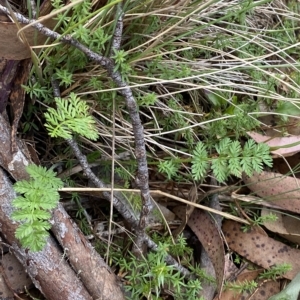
<point>286,226</point>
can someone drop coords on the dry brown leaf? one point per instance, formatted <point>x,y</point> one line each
<point>245,276</point>
<point>12,48</point>
<point>286,226</point>
<point>278,142</point>
<point>281,190</point>
<point>15,273</point>
<point>261,249</point>
<point>253,200</point>
<point>192,197</point>
<point>208,234</point>
<point>266,290</point>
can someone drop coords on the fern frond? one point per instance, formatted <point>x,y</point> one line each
<point>44,176</point>
<point>39,196</point>
<point>234,167</point>
<point>246,164</point>
<point>235,149</point>
<point>38,243</point>
<point>71,116</point>
<point>223,145</point>
<point>200,163</point>
<point>30,215</point>
<point>33,236</point>
<point>168,167</point>
<point>20,202</point>
<point>23,186</point>
<point>263,151</point>
<point>220,169</point>
<point>33,202</point>
<point>231,159</point>
<point>33,207</point>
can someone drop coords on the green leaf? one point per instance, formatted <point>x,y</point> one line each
<point>71,116</point>
<point>40,195</point>
<point>223,145</point>
<point>216,98</point>
<point>220,169</point>
<point>44,176</point>
<point>200,163</point>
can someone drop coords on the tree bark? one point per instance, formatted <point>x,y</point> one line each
<point>94,272</point>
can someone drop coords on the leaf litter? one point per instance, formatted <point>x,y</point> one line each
<point>206,230</point>
<point>278,195</point>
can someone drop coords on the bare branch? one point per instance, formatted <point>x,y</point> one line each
<point>122,206</point>
<point>117,37</point>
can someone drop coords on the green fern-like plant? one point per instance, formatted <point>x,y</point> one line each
<point>39,196</point>
<point>71,116</point>
<point>226,158</point>
<point>231,159</point>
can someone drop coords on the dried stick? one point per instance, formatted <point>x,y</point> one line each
<point>117,37</point>
<point>138,130</point>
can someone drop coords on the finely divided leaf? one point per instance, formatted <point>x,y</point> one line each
<point>200,161</point>
<point>71,116</point>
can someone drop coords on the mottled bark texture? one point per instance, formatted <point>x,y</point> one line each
<point>48,269</point>
<point>92,269</point>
